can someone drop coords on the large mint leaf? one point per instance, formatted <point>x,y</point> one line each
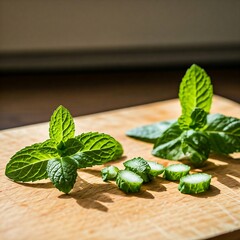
<point>224,133</point>
<point>196,147</point>
<point>61,125</point>
<point>98,148</point>
<point>63,173</point>
<point>149,133</point>
<point>29,164</point>
<point>168,145</point>
<point>195,92</point>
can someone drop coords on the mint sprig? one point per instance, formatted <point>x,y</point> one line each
<point>59,157</point>
<point>196,133</point>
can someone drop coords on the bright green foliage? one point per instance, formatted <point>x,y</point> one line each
<point>175,171</point>
<point>195,92</point>
<point>29,164</point>
<point>109,173</point>
<point>59,157</point>
<point>61,125</point>
<point>140,167</point>
<point>63,173</point>
<point>128,181</point>
<point>196,133</point>
<point>195,183</point>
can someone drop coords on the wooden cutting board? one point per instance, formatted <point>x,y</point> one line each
<point>99,210</point>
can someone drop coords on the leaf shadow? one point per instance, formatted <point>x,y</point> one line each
<point>97,195</point>
<point>155,185</point>
<point>37,185</point>
<point>214,191</point>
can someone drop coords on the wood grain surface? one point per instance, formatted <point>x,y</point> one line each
<point>98,210</point>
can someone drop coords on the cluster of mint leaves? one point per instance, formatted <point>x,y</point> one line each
<point>196,133</point>
<point>59,157</point>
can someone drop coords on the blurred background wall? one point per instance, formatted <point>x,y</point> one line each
<point>99,55</point>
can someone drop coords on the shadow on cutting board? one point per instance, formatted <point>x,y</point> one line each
<point>93,196</point>
<point>37,185</point>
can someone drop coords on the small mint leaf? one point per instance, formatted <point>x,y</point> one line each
<point>70,147</point>
<point>199,118</point>
<point>195,92</point>
<point>29,164</point>
<point>61,125</point>
<point>62,173</point>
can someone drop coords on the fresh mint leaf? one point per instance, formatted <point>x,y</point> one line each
<point>62,173</point>
<point>70,147</point>
<point>199,119</point>
<point>29,164</point>
<point>169,144</point>
<point>150,132</point>
<point>196,147</point>
<point>195,92</point>
<point>98,148</point>
<point>224,133</point>
<point>61,125</point>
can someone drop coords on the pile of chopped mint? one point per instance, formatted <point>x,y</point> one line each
<point>196,133</point>
<point>59,157</point>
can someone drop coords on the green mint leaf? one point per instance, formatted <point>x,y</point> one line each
<point>195,92</point>
<point>168,145</point>
<point>63,173</point>
<point>70,147</point>
<point>196,147</point>
<point>149,133</point>
<point>199,119</point>
<point>29,164</point>
<point>61,125</point>
<point>98,148</point>
<point>224,133</point>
